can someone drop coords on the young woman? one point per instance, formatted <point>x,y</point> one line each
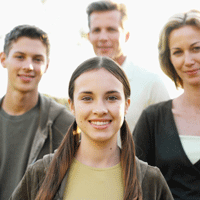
<point>89,164</point>
<point>167,134</point>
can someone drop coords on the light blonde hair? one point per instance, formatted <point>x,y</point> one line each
<point>191,18</point>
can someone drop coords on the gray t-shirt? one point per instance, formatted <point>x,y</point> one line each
<point>16,137</point>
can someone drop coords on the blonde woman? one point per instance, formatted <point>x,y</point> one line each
<point>167,134</point>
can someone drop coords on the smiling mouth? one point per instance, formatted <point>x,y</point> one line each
<point>104,48</point>
<point>26,78</point>
<point>100,123</point>
<point>192,72</point>
<point>26,75</point>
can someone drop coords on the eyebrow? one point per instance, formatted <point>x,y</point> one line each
<point>108,27</point>
<point>112,91</point>
<point>109,92</point>
<point>25,53</point>
<point>195,43</point>
<point>174,48</point>
<point>85,92</point>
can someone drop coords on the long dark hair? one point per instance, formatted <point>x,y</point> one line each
<point>68,148</point>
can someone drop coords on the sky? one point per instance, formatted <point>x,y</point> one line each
<point>63,23</point>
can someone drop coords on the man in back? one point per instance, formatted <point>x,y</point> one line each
<point>107,34</point>
<point>31,125</point>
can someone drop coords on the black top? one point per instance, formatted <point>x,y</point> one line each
<point>157,142</point>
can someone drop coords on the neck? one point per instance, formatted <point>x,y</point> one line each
<point>99,155</point>
<point>120,60</point>
<point>17,103</point>
<point>191,96</point>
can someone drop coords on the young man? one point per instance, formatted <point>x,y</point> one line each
<point>107,24</point>
<point>31,125</point>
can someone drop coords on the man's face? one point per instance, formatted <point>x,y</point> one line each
<point>26,63</point>
<point>106,34</point>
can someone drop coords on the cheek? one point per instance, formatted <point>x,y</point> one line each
<point>41,69</point>
<point>12,71</point>
<point>177,62</point>
<point>117,39</point>
<point>93,39</point>
<point>82,111</point>
<point>119,110</point>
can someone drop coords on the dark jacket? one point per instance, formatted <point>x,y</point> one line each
<point>55,120</point>
<point>157,142</point>
<point>153,184</point>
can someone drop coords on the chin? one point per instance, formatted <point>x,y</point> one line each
<point>105,55</point>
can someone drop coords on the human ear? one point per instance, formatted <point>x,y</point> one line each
<point>127,104</point>
<point>88,36</point>
<point>3,59</point>
<point>47,66</point>
<point>127,36</point>
<point>71,106</point>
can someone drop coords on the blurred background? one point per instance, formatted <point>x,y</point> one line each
<point>66,24</point>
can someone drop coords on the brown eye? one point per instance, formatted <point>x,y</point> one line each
<point>177,52</point>
<point>196,49</point>
<point>97,30</point>
<point>86,99</point>
<point>19,57</point>
<point>112,98</point>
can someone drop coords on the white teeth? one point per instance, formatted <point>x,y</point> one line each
<point>98,123</point>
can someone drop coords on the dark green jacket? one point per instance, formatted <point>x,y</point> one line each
<point>55,120</point>
<point>153,184</point>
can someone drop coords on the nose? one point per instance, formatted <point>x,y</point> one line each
<point>28,65</point>
<point>103,36</point>
<point>189,59</point>
<point>100,108</point>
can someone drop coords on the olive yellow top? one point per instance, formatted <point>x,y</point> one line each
<point>90,183</point>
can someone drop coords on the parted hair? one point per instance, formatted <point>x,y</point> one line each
<point>108,6</point>
<point>66,152</point>
<point>191,18</point>
<point>29,31</point>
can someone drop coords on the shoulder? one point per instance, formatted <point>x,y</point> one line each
<point>153,183</point>
<point>133,70</point>
<point>47,102</point>
<point>32,180</point>
<point>40,167</point>
<point>159,107</point>
<point>155,111</point>
<point>55,111</point>
<point>37,171</point>
<point>141,167</point>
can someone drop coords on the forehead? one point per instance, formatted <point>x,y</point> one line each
<point>185,34</point>
<point>28,45</point>
<point>108,18</point>
<point>97,80</point>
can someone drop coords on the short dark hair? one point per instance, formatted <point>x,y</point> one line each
<point>191,18</point>
<point>29,31</point>
<point>107,6</point>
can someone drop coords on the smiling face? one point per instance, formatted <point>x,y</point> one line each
<point>106,34</point>
<point>184,45</point>
<point>26,63</point>
<point>99,105</point>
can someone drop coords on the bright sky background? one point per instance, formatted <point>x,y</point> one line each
<point>63,20</point>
